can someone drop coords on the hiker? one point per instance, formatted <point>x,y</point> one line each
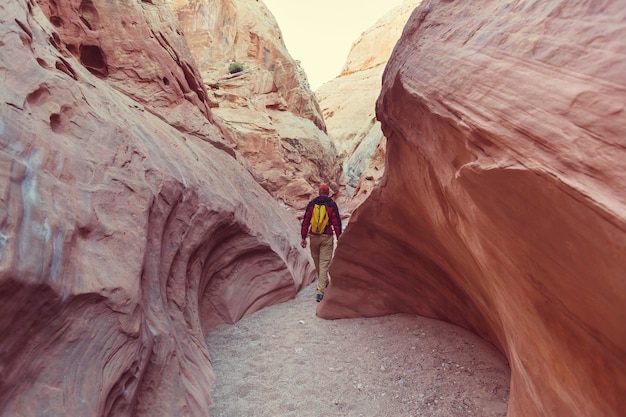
<point>321,218</point>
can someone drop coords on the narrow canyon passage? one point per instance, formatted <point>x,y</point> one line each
<point>285,361</point>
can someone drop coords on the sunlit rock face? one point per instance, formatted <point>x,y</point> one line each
<point>502,208</point>
<point>128,226</point>
<point>348,104</point>
<point>268,107</point>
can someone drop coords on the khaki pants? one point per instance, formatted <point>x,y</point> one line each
<point>322,253</point>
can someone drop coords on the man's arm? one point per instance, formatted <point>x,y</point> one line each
<point>306,223</point>
<point>335,219</point>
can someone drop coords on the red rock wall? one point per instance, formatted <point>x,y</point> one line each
<point>128,226</point>
<point>222,31</point>
<point>267,108</point>
<point>503,204</point>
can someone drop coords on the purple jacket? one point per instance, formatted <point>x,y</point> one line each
<point>334,220</point>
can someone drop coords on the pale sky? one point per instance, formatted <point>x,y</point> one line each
<point>320,33</point>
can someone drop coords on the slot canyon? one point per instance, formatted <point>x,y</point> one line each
<point>151,201</point>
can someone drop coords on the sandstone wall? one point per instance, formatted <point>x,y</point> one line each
<point>128,224</point>
<point>348,104</point>
<point>245,31</point>
<point>268,108</point>
<point>503,204</point>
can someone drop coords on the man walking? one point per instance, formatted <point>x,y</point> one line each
<point>321,218</point>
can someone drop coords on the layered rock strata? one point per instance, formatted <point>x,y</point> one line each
<point>267,107</point>
<point>128,224</point>
<point>502,208</point>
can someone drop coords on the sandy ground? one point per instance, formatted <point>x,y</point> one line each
<point>286,361</point>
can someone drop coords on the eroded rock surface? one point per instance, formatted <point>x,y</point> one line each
<point>128,224</point>
<point>502,208</point>
<point>268,107</point>
<point>348,104</point>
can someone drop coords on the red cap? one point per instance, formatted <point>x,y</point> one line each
<point>324,190</point>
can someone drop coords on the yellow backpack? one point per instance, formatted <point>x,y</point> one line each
<point>319,220</point>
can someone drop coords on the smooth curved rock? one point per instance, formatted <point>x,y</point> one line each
<point>126,230</point>
<point>502,208</point>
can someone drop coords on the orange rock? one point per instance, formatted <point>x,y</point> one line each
<point>268,109</point>
<point>348,104</point>
<point>502,208</point>
<point>129,224</point>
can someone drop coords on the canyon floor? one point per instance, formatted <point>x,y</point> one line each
<point>284,361</point>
